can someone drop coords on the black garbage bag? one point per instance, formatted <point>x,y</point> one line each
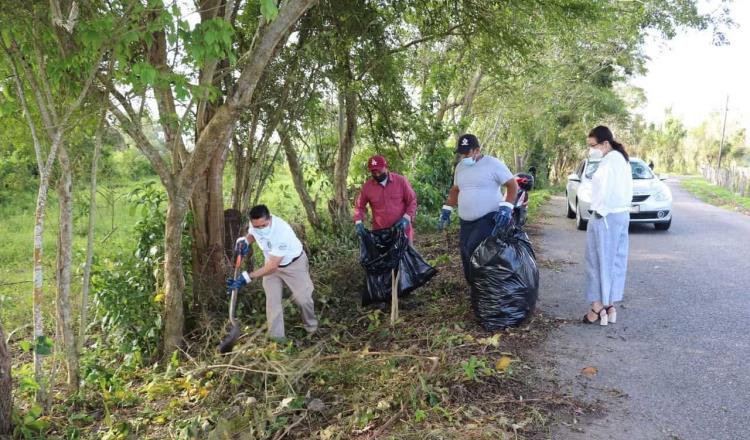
<point>383,250</point>
<point>504,280</point>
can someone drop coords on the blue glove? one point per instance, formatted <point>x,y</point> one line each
<point>360,229</point>
<point>242,280</point>
<point>402,224</point>
<point>445,217</point>
<point>242,246</point>
<point>503,217</point>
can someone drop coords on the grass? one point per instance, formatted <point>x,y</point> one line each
<point>716,195</point>
<point>537,198</point>
<point>114,223</point>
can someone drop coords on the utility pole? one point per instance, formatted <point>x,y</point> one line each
<point>721,145</point>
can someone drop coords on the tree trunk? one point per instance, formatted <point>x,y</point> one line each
<point>468,101</point>
<point>174,286</point>
<point>265,169</point>
<point>209,262</point>
<point>90,240</point>
<point>241,154</point>
<point>299,181</point>
<point>38,296</point>
<point>64,263</point>
<point>339,205</point>
<point>6,388</point>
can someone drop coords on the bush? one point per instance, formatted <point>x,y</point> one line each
<point>128,164</point>
<point>432,179</point>
<point>129,288</point>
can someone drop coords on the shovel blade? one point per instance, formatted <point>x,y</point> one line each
<point>229,340</point>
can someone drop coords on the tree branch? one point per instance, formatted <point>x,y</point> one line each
<point>27,115</point>
<point>152,154</point>
<point>217,131</point>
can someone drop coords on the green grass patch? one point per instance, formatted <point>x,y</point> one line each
<point>537,199</point>
<point>114,228</point>
<point>716,195</point>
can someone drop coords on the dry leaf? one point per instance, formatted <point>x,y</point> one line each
<point>503,363</point>
<point>493,341</point>
<point>589,371</point>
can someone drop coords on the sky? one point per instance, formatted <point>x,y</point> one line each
<point>694,77</point>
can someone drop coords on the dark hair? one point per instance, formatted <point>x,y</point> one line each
<point>259,211</point>
<point>602,133</point>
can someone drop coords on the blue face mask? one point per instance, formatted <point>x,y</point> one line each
<point>468,161</point>
<point>263,232</point>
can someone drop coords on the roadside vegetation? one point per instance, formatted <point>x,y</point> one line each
<point>716,195</point>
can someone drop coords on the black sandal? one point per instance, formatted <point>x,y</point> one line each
<point>598,316</point>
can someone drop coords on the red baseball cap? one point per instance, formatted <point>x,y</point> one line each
<point>377,163</point>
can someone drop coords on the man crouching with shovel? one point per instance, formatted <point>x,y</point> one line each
<point>285,262</point>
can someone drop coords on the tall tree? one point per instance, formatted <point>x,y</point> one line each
<point>38,42</point>
<point>144,65</point>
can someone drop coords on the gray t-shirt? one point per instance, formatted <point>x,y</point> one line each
<point>480,187</point>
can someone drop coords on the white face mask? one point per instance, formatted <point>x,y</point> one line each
<point>595,153</point>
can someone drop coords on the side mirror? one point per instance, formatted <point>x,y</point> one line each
<point>574,178</point>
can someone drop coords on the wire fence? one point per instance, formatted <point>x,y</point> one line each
<point>735,179</point>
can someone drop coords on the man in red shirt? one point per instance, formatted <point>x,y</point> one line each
<point>391,198</point>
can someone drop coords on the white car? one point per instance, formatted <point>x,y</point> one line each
<point>652,198</point>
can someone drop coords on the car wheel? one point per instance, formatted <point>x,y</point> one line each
<point>571,213</point>
<point>663,226</point>
<point>581,224</point>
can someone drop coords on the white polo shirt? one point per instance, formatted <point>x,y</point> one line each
<point>280,242</point>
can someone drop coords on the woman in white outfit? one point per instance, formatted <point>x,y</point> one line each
<point>607,233</point>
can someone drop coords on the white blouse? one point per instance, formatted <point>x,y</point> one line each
<point>612,185</point>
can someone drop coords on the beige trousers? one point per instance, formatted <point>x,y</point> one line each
<point>297,278</point>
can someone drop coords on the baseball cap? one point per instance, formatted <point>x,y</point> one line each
<point>466,143</point>
<point>377,163</point>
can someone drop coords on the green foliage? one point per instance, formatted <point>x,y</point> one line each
<point>18,173</point>
<point>32,424</point>
<point>43,346</point>
<point>129,287</point>
<point>475,368</point>
<point>269,9</point>
<point>432,178</point>
<point>716,195</point>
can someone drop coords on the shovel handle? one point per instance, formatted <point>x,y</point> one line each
<point>237,265</point>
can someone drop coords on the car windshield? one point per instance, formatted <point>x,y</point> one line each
<point>641,171</point>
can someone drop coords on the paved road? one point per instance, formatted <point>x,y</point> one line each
<point>676,365</point>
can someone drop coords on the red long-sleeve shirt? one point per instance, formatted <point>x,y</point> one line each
<point>388,203</point>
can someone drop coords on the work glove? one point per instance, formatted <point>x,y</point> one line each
<point>241,280</point>
<point>242,246</point>
<point>445,217</point>
<point>360,228</point>
<point>503,217</point>
<point>402,224</point>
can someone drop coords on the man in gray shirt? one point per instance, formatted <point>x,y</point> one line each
<point>477,193</point>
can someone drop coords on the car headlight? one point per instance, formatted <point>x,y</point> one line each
<point>663,195</point>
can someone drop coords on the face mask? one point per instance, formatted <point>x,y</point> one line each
<point>468,161</point>
<point>263,232</point>
<point>595,153</point>
<point>381,178</point>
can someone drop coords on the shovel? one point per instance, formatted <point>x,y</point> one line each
<point>229,340</point>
